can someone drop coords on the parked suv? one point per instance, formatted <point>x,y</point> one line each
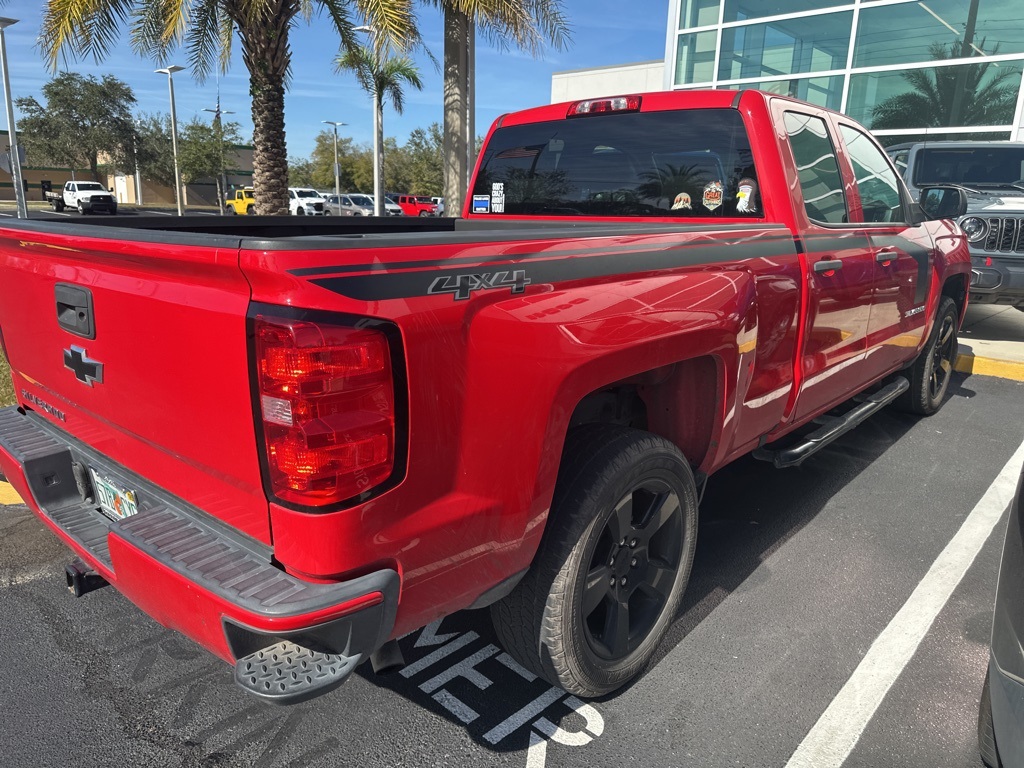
<point>347,205</point>
<point>992,172</point>
<point>303,201</point>
<point>415,205</point>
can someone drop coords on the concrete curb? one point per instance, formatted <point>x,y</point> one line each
<point>8,495</point>
<point>990,366</point>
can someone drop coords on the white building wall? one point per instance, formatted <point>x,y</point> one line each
<point>607,81</point>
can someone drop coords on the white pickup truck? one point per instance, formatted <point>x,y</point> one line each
<point>86,196</point>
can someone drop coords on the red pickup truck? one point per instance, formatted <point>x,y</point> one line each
<point>295,441</point>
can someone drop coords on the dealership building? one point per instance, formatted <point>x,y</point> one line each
<point>941,69</point>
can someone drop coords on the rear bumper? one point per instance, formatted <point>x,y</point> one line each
<point>186,569</point>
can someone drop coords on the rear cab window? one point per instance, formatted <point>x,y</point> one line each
<point>684,164</point>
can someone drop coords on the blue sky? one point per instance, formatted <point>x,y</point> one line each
<point>602,35</point>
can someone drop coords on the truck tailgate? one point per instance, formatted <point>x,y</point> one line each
<point>138,349</point>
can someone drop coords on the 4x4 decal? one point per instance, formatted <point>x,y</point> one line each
<point>462,286</point>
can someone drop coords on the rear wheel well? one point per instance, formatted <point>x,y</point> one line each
<point>679,402</point>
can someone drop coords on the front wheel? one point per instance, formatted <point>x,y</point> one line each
<point>931,372</point>
<point>613,564</point>
<point>424,213</point>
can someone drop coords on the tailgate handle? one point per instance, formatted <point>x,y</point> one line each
<point>74,310</point>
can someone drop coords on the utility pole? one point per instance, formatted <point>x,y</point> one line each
<point>169,71</point>
<point>337,168</point>
<point>12,134</point>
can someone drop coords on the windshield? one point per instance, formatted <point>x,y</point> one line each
<point>687,164</point>
<point>307,193</point>
<point>90,186</point>
<point>362,200</point>
<point>972,166</point>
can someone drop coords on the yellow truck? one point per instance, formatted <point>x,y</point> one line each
<point>243,202</point>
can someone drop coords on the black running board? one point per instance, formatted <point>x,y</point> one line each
<point>833,427</point>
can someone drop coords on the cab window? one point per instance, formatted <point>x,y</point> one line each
<point>817,168</point>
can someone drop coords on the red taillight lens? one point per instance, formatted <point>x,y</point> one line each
<point>597,106</point>
<point>327,403</point>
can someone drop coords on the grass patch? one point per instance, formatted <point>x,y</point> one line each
<point>6,385</point>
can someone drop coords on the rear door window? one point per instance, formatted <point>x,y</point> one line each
<point>683,164</point>
<point>817,168</point>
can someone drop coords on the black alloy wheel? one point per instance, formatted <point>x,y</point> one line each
<point>632,570</point>
<point>612,566</point>
<point>933,369</point>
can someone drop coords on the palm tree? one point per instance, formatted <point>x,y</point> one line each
<point>951,96</point>
<point>527,24</point>
<point>207,28</point>
<point>382,77</point>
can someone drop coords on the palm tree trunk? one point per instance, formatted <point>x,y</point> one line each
<point>266,56</point>
<point>456,107</point>
<point>378,154</point>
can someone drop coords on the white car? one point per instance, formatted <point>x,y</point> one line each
<point>390,208</point>
<point>303,201</point>
<point>439,202</point>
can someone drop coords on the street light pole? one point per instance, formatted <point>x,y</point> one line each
<point>12,134</point>
<point>138,176</point>
<point>169,71</point>
<point>222,180</point>
<point>337,168</point>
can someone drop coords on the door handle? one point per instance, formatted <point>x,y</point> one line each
<point>886,255</point>
<point>826,265</point>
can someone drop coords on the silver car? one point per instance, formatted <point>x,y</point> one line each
<point>348,205</point>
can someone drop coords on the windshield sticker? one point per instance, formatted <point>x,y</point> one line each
<point>498,197</point>
<point>682,202</point>
<point>481,204</point>
<point>713,195</point>
<point>745,197</point>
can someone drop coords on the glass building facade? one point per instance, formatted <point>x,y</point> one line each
<point>904,68</point>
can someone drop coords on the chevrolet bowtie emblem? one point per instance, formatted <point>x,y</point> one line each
<point>86,371</point>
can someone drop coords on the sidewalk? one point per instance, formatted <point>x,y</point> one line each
<point>992,342</point>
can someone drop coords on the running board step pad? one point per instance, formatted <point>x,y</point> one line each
<point>289,673</point>
<point>833,426</point>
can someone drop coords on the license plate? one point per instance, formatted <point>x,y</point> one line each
<point>114,501</point>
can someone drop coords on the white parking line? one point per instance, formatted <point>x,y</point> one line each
<point>57,213</point>
<point>833,737</point>
<point>160,213</point>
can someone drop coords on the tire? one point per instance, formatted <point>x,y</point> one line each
<point>986,731</point>
<point>81,208</point>
<point>250,210</point>
<point>424,213</point>
<point>59,206</point>
<point>931,372</point>
<point>300,211</point>
<point>327,211</point>
<point>592,639</point>
<point>231,210</point>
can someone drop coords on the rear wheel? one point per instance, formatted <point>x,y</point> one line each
<point>613,564</point>
<point>58,205</point>
<point>931,372</point>
<point>250,210</point>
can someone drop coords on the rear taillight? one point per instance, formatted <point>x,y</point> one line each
<point>598,106</point>
<point>327,403</point>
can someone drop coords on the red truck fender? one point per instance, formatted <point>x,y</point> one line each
<point>697,333</point>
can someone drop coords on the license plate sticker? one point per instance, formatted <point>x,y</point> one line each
<point>114,501</point>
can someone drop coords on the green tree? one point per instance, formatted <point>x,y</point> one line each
<point>426,160</point>
<point>322,162</point>
<point>203,149</point>
<point>383,77</point>
<point>206,29</point>
<point>968,94</point>
<point>155,152</point>
<point>81,121</point>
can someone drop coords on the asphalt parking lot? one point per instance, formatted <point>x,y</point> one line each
<point>793,646</point>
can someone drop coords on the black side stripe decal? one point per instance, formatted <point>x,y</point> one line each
<point>380,287</point>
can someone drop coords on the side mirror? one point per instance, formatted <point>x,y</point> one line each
<point>943,202</point>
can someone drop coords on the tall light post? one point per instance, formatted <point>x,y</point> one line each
<point>378,138</point>
<point>12,135</point>
<point>337,168</point>
<point>138,176</point>
<point>222,181</point>
<point>169,71</point>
